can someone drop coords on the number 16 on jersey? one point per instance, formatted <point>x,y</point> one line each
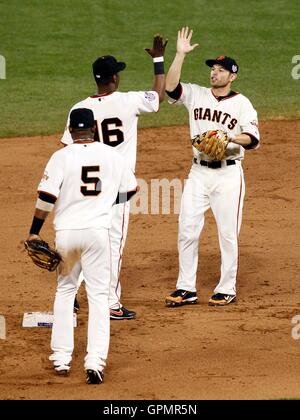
<point>109,132</point>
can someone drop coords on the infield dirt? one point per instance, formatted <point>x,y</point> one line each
<point>243,351</point>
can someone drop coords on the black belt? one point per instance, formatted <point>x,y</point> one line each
<point>214,164</point>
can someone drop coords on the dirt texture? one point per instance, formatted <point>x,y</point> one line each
<point>242,351</point>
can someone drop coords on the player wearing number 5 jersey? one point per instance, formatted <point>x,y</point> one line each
<point>116,114</point>
<point>82,182</point>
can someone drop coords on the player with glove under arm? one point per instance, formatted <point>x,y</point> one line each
<point>82,183</point>
<point>215,182</point>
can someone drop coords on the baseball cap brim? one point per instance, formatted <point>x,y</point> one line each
<point>211,63</point>
<point>121,66</point>
<point>226,62</point>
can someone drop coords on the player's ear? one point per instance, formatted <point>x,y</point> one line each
<point>233,76</point>
<point>93,129</point>
<point>70,129</point>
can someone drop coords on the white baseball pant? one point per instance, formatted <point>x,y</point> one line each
<point>223,191</point>
<point>87,250</point>
<point>117,236</point>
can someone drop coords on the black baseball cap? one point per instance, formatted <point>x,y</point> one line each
<point>228,63</point>
<point>106,66</point>
<point>82,118</point>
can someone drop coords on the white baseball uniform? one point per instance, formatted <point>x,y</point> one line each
<point>117,115</point>
<point>221,189</point>
<point>86,179</point>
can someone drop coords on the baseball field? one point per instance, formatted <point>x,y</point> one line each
<point>249,350</point>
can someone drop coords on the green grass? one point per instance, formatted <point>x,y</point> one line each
<point>49,47</point>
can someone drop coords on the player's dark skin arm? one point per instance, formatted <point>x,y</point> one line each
<point>41,214</point>
<point>159,86</point>
<point>158,50</point>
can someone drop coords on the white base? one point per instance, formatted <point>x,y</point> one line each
<point>41,319</point>
<point>2,328</point>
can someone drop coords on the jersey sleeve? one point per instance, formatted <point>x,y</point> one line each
<point>249,123</point>
<point>66,138</point>
<point>184,94</point>
<point>147,101</point>
<point>128,182</point>
<point>128,186</point>
<point>53,176</point>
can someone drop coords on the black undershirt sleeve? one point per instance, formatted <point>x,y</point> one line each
<point>176,93</point>
<point>253,144</point>
<point>48,198</point>
<point>122,197</point>
<point>36,226</point>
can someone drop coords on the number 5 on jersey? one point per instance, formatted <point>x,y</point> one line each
<point>93,184</point>
<point>109,131</point>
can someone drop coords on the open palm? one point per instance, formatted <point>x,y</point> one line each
<point>184,41</point>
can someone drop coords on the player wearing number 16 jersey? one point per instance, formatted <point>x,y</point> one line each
<point>116,114</point>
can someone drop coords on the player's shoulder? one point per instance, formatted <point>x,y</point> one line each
<point>88,102</point>
<point>148,95</point>
<point>107,150</point>
<point>195,87</point>
<point>59,155</point>
<point>110,155</point>
<point>244,100</point>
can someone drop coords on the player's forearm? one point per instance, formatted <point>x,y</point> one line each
<point>241,139</point>
<point>37,223</point>
<point>41,214</point>
<point>44,205</point>
<point>174,73</point>
<point>160,85</point>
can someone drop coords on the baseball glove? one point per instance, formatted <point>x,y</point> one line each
<point>42,255</point>
<point>213,143</point>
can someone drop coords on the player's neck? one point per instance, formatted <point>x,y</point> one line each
<point>81,141</point>
<point>83,138</point>
<point>106,89</point>
<point>221,91</point>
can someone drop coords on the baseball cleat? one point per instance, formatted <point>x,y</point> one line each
<point>220,299</point>
<point>94,377</point>
<point>181,297</point>
<point>76,305</point>
<point>122,313</point>
<point>62,370</point>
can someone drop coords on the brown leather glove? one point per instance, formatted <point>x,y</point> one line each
<point>213,143</point>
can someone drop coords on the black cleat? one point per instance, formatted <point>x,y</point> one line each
<point>122,313</point>
<point>94,377</point>
<point>221,300</point>
<point>181,297</point>
<point>76,305</point>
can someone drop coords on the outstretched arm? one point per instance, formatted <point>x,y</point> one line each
<point>157,53</point>
<point>183,47</point>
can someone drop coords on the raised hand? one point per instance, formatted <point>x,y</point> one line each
<point>184,41</point>
<point>159,46</point>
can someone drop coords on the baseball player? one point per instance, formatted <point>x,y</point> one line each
<point>116,115</point>
<point>82,182</point>
<point>214,184</point>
